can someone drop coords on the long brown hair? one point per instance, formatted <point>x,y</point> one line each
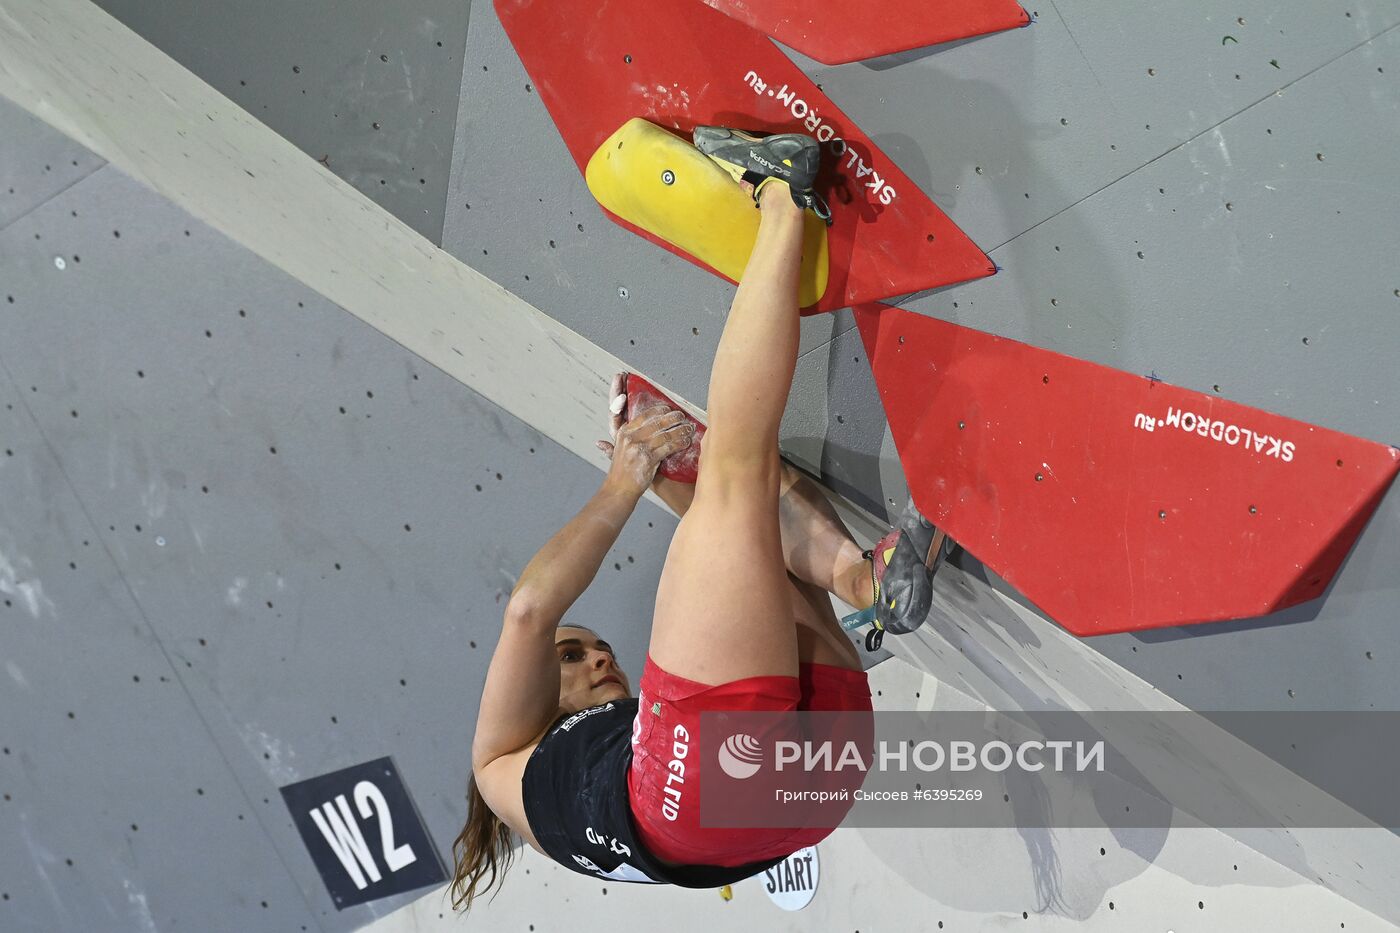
<point>483,846</point>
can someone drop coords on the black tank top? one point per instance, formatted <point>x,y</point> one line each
<point>575,794</point>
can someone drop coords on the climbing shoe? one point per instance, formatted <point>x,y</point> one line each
<point>902,565</point>
<point>761,158</point>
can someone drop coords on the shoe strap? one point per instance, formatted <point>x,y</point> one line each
<point>757,180</point>
<point>813,201</point>
<point>808,200</point>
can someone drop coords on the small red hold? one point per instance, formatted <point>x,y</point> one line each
<point>683,467</point>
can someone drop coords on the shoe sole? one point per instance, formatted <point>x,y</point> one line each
<point>897,620</point>
<point>703,135</point>
<point>757,171</point>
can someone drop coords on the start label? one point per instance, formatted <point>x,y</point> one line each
<point>792,883</point>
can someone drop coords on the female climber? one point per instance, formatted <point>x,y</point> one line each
<point>564,757</point>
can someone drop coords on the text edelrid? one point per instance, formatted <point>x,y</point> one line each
<point>680,747</point>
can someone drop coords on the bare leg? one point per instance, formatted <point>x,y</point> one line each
<point>817,548</point>
<point>724,607</point>
<point>821,559</point>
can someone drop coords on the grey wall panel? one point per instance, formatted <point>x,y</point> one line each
<point>35,163</point>
<point>1001,132</point>
<point>321,605</point>
<point>1334,653</point>
<point>1184,66</point>
<point>1009,130</point>
<point>835,427</point>
<point>1255,262</point>
<point>368,88</point>
<point>118,810</point>
<point>1267,277</point>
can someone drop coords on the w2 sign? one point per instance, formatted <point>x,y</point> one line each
<point>364,833</point>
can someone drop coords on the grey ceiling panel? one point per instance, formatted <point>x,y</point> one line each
<point>369,88</point>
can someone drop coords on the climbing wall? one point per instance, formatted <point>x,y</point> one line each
<point>251,528</point>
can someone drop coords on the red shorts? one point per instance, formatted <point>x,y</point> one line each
<point>676,835</point>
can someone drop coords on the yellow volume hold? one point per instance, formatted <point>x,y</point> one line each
<point>661,183</point>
